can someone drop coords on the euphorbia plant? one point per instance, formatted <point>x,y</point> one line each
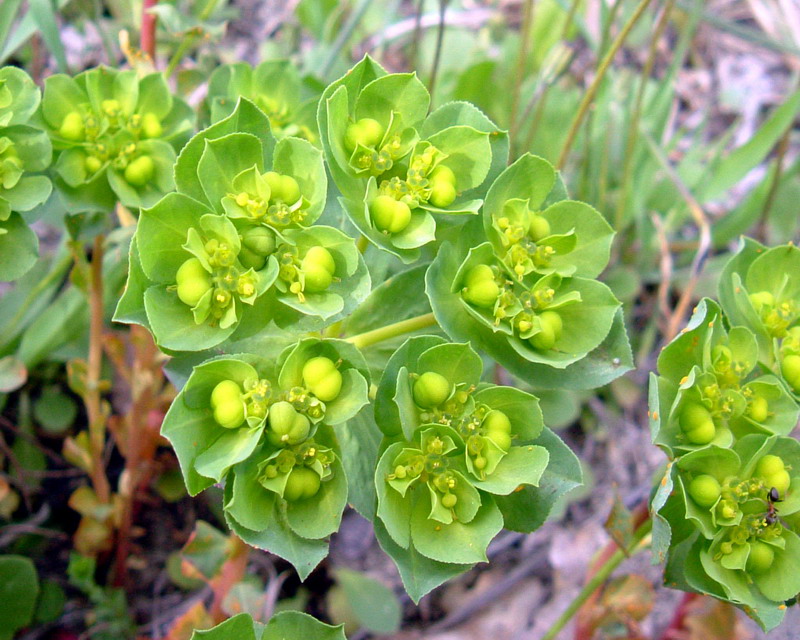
<point>25,152</point>
<point>722,407</point>
<point>250,264</point>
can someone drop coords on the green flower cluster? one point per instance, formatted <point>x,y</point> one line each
<point>266,430</point>
<point>399,168</point>
<point>275,87</point>
<point>528,296</point>
<point>234,245</point>
<point>115,136</point>
<point>452,445</point>
<point>722,407</point>
<point>25,152</point>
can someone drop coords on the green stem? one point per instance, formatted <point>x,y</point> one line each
<point>437,54</point>
<point>599,578</point>
<point>344,36</point>
<point>633,125</point>
<point>588,97</point>
<point>187,42</point>
<point>525,33</point>
<point>388,332</point>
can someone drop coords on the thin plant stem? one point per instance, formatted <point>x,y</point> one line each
<point>388,332</point>
<point>344,35</point>
<point>633,125</point>
<point>525,36</point>
<point>437,55</point>
<point>588,97</point>
<point>417,34</point>
<point>780,156</point>
<point>602,574</point>
<point>183,48</point>
<point>92,399</point>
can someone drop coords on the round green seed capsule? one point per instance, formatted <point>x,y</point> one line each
<point>193,282</point>
<point>72,127</point>
<point>140,171</point>
<point>479,463</point>
<point>389,215</point>
<point>303,483</point>
<point>287,426</point>
<point>780,481</point>
<point>366,131</point>
<point>769,465</point>
<point>93,164</point>
<point>538,228</point>
<point>761,557</point>
<point>229,416</point>
<point>449,500</point>
<point>273,179</point>
<point>226,391</point>
<point>431,389</point>
<point>696,422</point>
<point>258,243</point>
<point>500,438</point>
<point>552,326</point>
<point>322,378</point>
<point>758,410</point>
<point>290,190</point>
<point>480,288</point>
<point>496,420</point>
<point>151,126</point>
<point>705,490</point>
<point>443,194</point>
<point>319,267</point>
<point>790,368</point>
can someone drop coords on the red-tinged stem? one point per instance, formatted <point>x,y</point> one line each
<point>677,629</point>
<point>148,41</point>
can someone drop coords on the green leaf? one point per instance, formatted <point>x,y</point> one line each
<point>278,538</point>
<point>288,625</point>
<point>469,155</point>
<point>225,158</point>
<point>372,602</point>
<point>19,248</point>
<point>522,466</point>
<point>360,440</point>
<point>239,627</point>
<point>130,308</point>
<point>528,509</point>
<point>419,574</point>
<point>19,589</point>
<point>246,118</point>
<point>464,113</point>
<point>44,16</point>
<point>457,543</point>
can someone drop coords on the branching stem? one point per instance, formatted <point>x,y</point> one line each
<point>392,331</point>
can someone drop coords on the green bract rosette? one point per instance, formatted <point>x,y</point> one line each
<point>452,445</point>
<point>115,136</point>
<point>395,167</point>
<point>759,289</point>
<point>285,625</point>
<point>568,238</point>
<point>213,427</point>
<point>275,87</point>
<point>710,390</point>
<point>288,500</point>
<point>366,122</point>
<point>332,371</point>
<point>753,557</point>
<point>281,185</point>
<point>189,275</point>
<point>322,274</point>
<point>24,151</point>
<point>531,327</point>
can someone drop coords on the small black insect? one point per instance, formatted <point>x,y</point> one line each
<point>773,497</point>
